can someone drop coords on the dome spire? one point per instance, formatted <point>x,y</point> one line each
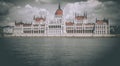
<point>59,11</point>
<point>59,7</point>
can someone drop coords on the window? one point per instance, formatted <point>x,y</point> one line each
<point>55,26</point>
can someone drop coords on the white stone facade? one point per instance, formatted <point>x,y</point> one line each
<point>79,26</point>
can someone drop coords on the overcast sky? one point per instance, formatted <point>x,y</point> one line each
<point>11,10</point>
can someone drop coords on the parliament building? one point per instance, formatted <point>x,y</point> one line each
<point>79,26</point>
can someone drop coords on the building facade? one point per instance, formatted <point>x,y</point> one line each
<point>79,26</point>
<point>56,26</point>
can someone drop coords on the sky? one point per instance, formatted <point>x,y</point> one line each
<point>24,10</point>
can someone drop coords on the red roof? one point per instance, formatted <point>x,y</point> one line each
<point>79,17</point>
<point>78,24</point>
<point>89,24</point>
<point>39,19</point>
<point>59,12</point>
<point>100,22</point>
<point>69,23</point>
<point>26,25</point>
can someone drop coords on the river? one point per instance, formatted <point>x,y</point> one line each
<point>55,51</point>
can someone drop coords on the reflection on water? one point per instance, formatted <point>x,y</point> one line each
<point>59,51</point>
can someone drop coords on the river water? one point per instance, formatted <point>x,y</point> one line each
<point>36,51</point>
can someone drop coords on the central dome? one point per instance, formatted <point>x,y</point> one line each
<point>59,11</point>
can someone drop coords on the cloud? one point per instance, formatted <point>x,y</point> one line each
<point>36,0</point>
<point>95,9</point>
<point>26,13</point>
<point>111,9</point>
<point>22,9</point>
<point>81,7</point>
<point>28,6</point>
<point>4,10</point>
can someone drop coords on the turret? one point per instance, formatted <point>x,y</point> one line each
<point>106,20</point>
<point>39,19</point>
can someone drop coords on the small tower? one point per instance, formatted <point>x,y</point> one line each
<point>106,20</point>
<point>38,19</point>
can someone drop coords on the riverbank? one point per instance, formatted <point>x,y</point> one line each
<point>67,35</point>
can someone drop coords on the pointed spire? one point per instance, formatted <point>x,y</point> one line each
<point>96,19</point>
<point>75,14</point>
<point>85,14</point>
<point>34,17</point>
<point>79,14</point>
<point>15,22</point>
<point>41,16</point>
<point>59,7</point>
<point>104,18</point>
<point>108,21</point>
